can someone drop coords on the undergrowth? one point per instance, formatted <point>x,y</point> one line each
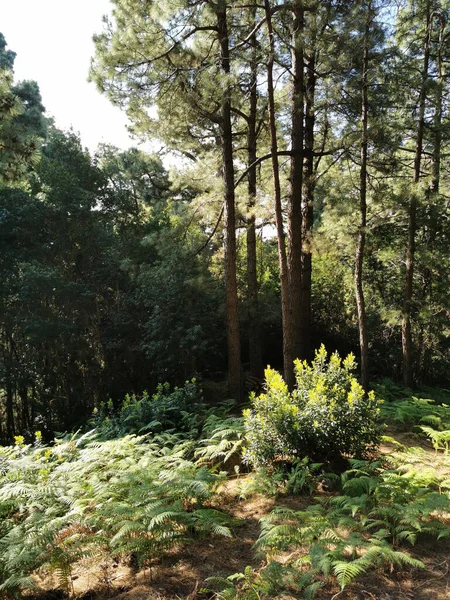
<point>133,498</point>
<point>380,508</point>
<point>368,525</point>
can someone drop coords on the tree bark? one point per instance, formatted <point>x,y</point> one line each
<point>437,120</point>
<point>296,181</point>
<point>309,184</point>
<point>254,337</point>
<point>407,343</point>
<point>10,386</point>
<point>434,187</point>
<point>359,258</point>
<point>234,346</point>
<point>288,356</point>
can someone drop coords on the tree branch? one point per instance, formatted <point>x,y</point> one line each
<point>259,161</point>
<point>210,237</point>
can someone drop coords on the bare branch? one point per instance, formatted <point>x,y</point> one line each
<point>259,161</point>
<point>213,232</point>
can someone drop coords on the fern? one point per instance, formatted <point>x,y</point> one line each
<point>133,496</point>
<point>347,571</point>
<point>351,534</point>
<point>251,584</point>
<point>377,555</point>
<point>439,439</point>
<point>226,440</point>
<point>414,410</point>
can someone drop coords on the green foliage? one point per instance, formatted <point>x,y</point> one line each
<point>21,121</point>
<point>332,299</point>
<point>412,411</point>
<point>132,497</point>
<point>299,477</point>
<point>302,477</point>
<point>178,409</point>
<point>360,530</point>
<point>182,328</point>
<point>269,581</point>
<point>101,290</point>
<point>224,440</point>
<point>439,439</point>
<point>326,416</point>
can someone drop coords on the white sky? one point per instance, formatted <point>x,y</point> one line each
<point>52,40</point>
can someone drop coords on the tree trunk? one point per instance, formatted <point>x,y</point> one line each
<point>281,238</point>
<point>359,258</point>
<point>296,181</point>
<point>309,184</point>
<point>234,346</point>
<point>256,364</point>
<point>10,429</point>
<point>437,120</point>
<point>407,344</point>
<point>434,187</point>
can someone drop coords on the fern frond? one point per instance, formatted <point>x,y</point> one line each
<point>346,572</point>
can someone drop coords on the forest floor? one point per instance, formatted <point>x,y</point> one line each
<point>182,572</point>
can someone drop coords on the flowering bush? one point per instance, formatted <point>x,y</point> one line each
<point>326,416</point>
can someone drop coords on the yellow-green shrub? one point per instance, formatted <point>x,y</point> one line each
<point>327,414</point>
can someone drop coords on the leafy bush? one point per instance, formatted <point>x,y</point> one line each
<point>326,416</point>
<point>177,409</point>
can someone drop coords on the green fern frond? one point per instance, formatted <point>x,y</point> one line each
<point>346,572</point>
<point>13,583</point>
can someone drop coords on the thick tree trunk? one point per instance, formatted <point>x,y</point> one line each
<point>296,181</point>
<point>407,344</point>
<point>24,408</point>
<point>309,184</point>
<point>256,364</point>
<point>281,238</point>
<point>234,346</point>
<point>10,429</point>
<point>359,258</point>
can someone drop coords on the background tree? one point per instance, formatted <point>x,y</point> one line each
<point>190,42</point>
<point>22,123</point>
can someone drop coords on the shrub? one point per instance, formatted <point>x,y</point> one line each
<point>326,416</point>
<point>166,409</point>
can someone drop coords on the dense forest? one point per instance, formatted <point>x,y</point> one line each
<point>304,223</point>
<point>308,205</point>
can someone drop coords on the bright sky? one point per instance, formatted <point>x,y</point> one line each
<point>52,40</point>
